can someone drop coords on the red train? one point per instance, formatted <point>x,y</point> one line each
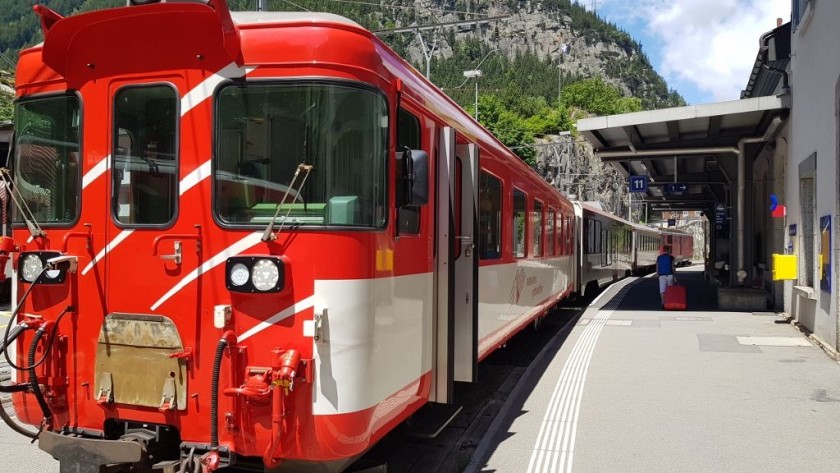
<point>257,238</point>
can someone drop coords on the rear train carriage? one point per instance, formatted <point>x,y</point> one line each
<point>605,247</point>
<point>682,246</point>
<point>647,244</point>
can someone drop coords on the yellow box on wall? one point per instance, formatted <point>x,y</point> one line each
<point>784,267</point>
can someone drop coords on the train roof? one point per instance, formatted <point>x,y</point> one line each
<point>245,18</point>
<point>596,208</point>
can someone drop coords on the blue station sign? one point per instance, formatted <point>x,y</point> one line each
<point>638,183</point>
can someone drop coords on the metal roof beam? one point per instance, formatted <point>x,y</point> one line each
<point>633,137</point>
<point>607,156</point>
<point>673,131</point>
<point>664,183</point>
<point>619,166</point>
<point>714,126</point>
<point>692,177</point>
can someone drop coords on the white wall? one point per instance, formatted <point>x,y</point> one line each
<point>814,125</point>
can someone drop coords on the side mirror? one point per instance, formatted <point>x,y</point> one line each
<point>412,178</point>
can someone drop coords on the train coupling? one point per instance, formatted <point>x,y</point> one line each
<point>89,455</point>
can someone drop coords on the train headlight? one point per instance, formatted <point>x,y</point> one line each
<point>32,265</point>
<point>265,275</point>
<point>254,274</point>
<point>239,275</point>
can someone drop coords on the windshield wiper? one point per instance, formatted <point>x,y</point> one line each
<point>27,214</point>
<point>269,234</point>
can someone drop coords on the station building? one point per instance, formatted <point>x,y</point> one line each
<point>777,147</point>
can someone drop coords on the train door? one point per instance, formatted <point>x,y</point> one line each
<point>465,297</point>
<point>151,250</point>
<point>606,252</point>
<point>456,271</point>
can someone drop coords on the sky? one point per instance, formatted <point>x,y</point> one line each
<point>705,49</point>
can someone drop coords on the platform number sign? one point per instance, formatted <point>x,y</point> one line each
<point>638,183</point>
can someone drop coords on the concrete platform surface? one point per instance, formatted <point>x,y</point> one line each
<point>637,389</point>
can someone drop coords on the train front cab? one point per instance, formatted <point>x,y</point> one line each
<point>184,319</point>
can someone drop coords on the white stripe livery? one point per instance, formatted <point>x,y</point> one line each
<point>205,89</point>
<point>192,179</point>
<point>233,250</point>
<point>121,236</point>
<point>283,314</point>
<point>96,171</point>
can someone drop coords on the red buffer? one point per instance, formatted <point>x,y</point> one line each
<point>675,298</point>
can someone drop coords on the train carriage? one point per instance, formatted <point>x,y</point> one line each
<point>605,249</point>
<point>256,238</point>
<point>647,245</point>
<point>682,245</point>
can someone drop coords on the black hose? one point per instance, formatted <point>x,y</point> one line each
<point>32,363</point>
<point>15,426</point>
<point>33,377</point>
<point>15,333</point>
<point>15,388</point>
<point>14,318</point>
<point>214,395</point>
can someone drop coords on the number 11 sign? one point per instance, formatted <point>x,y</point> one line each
<point>638,183</point>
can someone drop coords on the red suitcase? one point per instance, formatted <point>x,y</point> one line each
<point>675,298</point>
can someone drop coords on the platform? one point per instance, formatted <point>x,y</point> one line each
<point>628,387</point>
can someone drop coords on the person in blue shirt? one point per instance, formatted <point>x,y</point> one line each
<point>665,270</point>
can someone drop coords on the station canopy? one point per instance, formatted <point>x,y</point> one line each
<point>685,158</point>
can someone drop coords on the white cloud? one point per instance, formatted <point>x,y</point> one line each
<point>711,44</point>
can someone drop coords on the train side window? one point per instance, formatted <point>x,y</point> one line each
<point>537,226</point>
<point>46,159</point>
<point>490,217</point>
<point>408,136</point>
<point>627,237</point>
<point>597,233</point>
<point>561,235</point>
<point>144,155</point>
<point>549,233</point>
<point>570,232</point>
<point>558,232</point>
<point>519,224</point>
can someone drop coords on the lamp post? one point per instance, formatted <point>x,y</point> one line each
<point>476,74</point>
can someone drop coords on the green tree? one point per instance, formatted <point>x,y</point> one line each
<point>6,97</point>
<point>598,98</point>
<point>510,128</point>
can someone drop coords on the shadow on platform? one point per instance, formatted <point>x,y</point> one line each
<point>699,295</point>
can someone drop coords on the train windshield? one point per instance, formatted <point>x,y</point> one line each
<point>265,131</point>
<point>47,158</point>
